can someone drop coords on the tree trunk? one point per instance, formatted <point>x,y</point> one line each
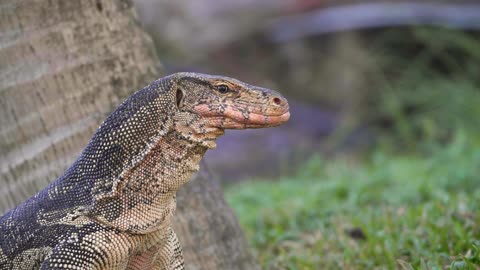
<point>64,65</point>
<point>208,230</point>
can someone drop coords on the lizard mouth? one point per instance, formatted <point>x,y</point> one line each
<point>235,118</point>
<point>255,120</point>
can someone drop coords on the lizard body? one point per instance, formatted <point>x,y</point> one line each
<point>113,207</point>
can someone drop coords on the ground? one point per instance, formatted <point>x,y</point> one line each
<point>381,211</point>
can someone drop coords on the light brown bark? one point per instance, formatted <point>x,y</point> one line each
<point>64,65</point>
<point>208,230</point>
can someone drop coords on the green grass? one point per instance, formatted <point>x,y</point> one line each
<point>414,211</point>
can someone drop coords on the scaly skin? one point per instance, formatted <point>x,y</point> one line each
<point>112,208</point>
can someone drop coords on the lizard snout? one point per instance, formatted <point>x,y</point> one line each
<point>272,110</point>
<point>277,100</point>
<point>275,103</point>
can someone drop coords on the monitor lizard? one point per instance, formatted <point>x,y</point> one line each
<point>112,209</point>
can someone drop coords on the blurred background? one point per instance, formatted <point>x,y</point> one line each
<point>378,167</point>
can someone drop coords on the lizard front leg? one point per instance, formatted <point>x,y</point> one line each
<point>166,255</point>
<point>91,247</point>
<point>176,261</point>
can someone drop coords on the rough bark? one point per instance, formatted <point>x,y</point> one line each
<point>64,65</point>
<point>205,220</point>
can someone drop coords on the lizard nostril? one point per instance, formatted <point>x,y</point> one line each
<point>277,101</point>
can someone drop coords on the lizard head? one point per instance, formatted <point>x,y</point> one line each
<point>227,103</point>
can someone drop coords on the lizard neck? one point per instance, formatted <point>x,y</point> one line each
<point>145,198</point>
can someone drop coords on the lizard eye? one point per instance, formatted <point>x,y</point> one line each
<point>222,89</point>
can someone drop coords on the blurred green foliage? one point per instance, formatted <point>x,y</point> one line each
<point>382,212</point>
<point>412,201</point>
<point>427,85</point>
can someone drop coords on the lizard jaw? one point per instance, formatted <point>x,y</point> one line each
<point>234,118</point>
<point>255,120</point>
